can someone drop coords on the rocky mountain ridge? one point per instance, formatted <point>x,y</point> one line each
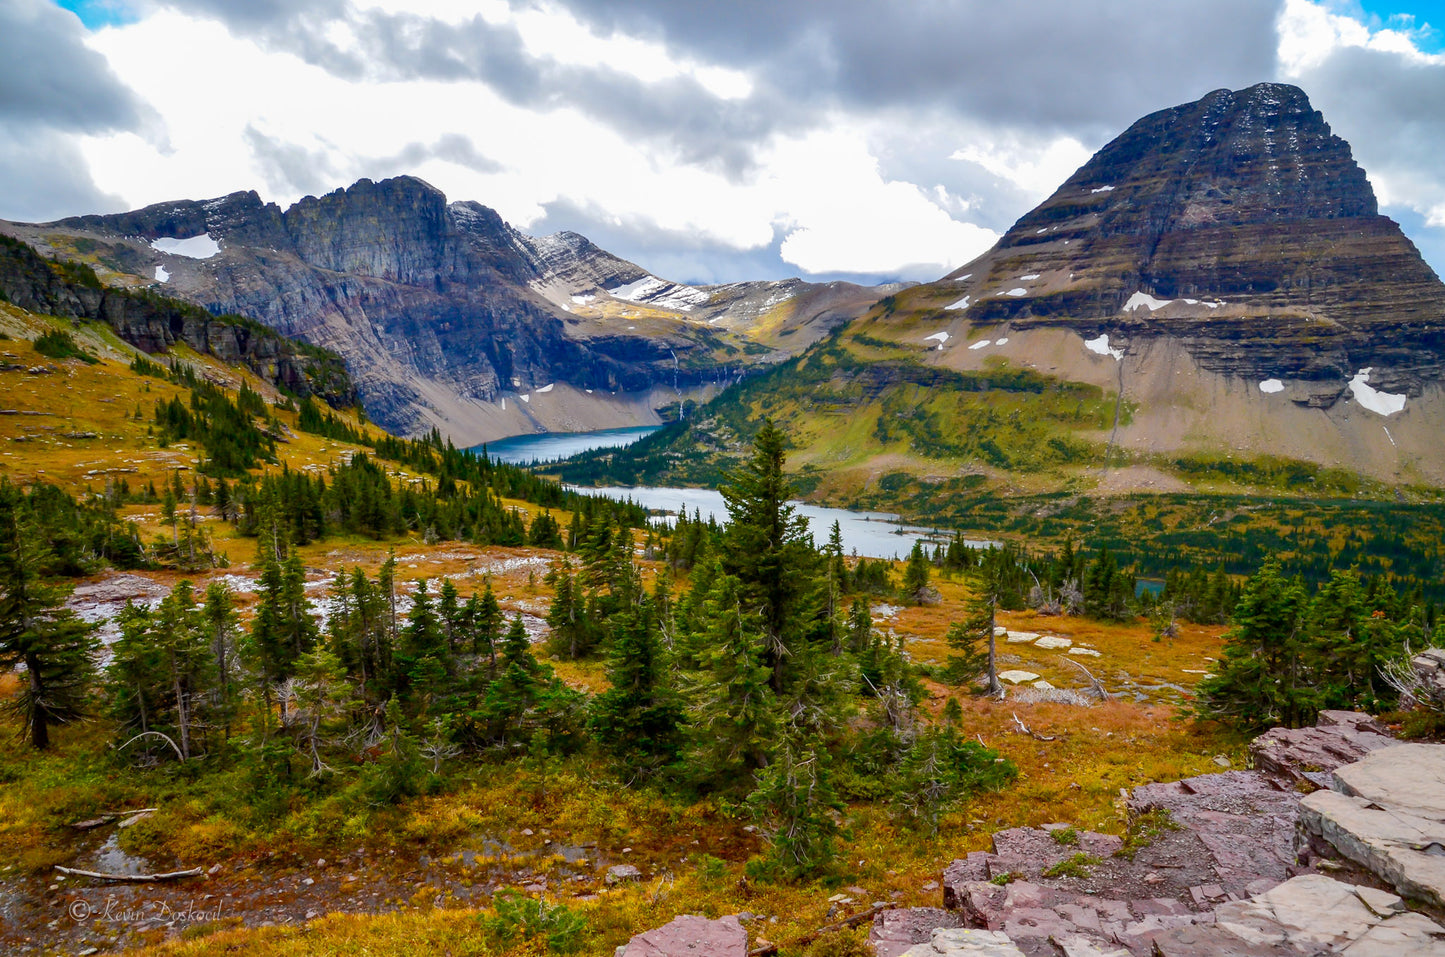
<point>155,323</point>
<point>1214,296</point>
<point>446,315</point>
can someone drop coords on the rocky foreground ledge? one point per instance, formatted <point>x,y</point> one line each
<point>1251,863</point>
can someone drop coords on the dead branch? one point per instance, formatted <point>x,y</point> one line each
<point>846,922</point>
<point>109,816</point>
<point>1095,685</point>
<point>166,738</point>
<point>1025,729</point>
<point>131,878</point>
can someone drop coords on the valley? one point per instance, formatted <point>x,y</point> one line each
<point>290,624</point>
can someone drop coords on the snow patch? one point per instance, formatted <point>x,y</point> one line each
<point>939,337</point>
<point>964,278</point>
<point>1030,277</point>
<point>1101,346</point>
<point>1000,342</point>
<point>548,387</point>
<point>527,398</point>
<point>162,275</point>
<point>981,344</point>
<point>583,300</point>
<point>660,293</point>
<point>1103,189</point>
<point>197,247</point>
<point>1017,291</point>
<point>961,304</point>
<point>1381,403</point>
<point>1271,386</point>
<point>1389,436</point>
<point>1142,300</point>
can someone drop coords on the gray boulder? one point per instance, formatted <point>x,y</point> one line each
<point>1387,813</point>
<point>1310,914</point>
<point>965,942</point>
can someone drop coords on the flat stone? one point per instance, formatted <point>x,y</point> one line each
<point>1403,849</point>
<point>1043,685</point>
<point>619,873</point>
<point>691,936</point>
<point>1309,914</point>
<point>1022,637</point>
<point>1015,677</point>
<point>1075,946</point>
<point>964,942</point>
<point>895,931</point>
<point>1087,652</point>
<point>1404,775</point>
<point>1052,643</point>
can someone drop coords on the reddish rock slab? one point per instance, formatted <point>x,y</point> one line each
<point>1338,738</point>
<point>691,936</point>
<point>895,931</point>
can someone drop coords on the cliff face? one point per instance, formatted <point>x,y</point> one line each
<point>448,317</point>
<point>1253,237</point>
<point>154,324</point>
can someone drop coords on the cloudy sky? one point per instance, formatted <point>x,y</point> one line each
<point>706,140</point>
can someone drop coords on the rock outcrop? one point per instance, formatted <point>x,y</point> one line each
<point>154,323</point>
<point>1386,812</point>
<point>1213,864</point>
<point>446,315</point>
<point>1339,737</point>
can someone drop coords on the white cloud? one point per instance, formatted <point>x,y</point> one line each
<point>1037,169</point>
<point>222,96</point>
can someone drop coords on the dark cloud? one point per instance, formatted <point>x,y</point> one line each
<point>450,147</point>
<point>289,168</point>
<point>50,78</point>
<point>52,85</point>
<point>1044,64</point>
<point>45,177</point>
<point>1391,109</point>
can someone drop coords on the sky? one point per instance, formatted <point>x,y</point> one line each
<point>707,141</point>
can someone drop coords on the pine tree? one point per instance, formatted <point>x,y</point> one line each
<point>916,576</point>
<point>972,643</point>
<point>768,550</point>
<point>1263,675</point>
<point>223,626</point>
<point>188,668</point>
<point>639,717</point>
<point>36,630</point>
<point>732,709</point>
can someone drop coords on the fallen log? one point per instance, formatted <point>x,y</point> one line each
<point>131,878</point>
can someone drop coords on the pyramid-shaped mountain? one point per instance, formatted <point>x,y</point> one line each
<point>1214,297</point>
<point>1240,224</point>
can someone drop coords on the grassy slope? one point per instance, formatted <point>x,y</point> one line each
<point>203,819</point>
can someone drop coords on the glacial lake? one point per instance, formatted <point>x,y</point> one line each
<point>553,446</point>
<point>871,534</point>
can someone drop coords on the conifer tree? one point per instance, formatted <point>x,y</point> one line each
<point>768,550</point>
<point>1262,678</point>
<point>916,576</point>
<point>638,719</point>
<point>971,642</point>
<point>223,627</point>
<point>732,713</point>
<point>36,630</point>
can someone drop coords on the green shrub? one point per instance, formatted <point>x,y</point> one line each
<point>57,344</point>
